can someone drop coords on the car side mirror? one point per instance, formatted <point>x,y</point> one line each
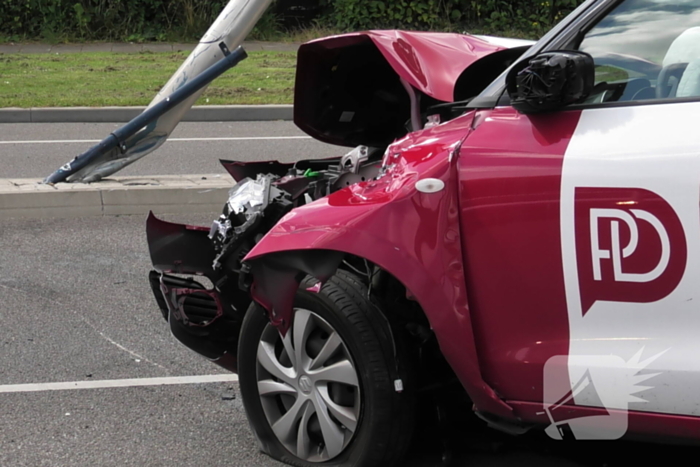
<point>550,80</point>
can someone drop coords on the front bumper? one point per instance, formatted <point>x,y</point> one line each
<point>205,320</point>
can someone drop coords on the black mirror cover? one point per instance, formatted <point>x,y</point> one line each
<point>550,80</point>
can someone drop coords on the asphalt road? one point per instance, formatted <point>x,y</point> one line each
<point>75,306</point>
<point>36,149</point>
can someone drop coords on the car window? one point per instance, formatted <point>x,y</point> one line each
<point>646,50</point>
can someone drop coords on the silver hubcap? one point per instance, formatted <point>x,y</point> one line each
<point>308,387</point>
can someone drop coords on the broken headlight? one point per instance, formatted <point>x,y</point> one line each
<point>252,208</point>
<point>248,194</point>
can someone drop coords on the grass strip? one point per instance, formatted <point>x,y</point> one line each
<point>126,79</point>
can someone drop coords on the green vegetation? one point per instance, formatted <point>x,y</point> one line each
<point>126,20</point>
<point>529,18</point>
<point>265,77</point>
<point>114,79</point>
<point>185,20</point>
<point>611,74</point>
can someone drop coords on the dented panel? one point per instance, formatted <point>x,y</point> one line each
<point>415,236</point>
<point>361,88</point>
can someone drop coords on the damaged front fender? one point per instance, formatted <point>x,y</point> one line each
<point>406,222</point>
<point>277,279</point>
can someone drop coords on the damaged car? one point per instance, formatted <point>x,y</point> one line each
<point>519,219</point>
<point>297,300</point>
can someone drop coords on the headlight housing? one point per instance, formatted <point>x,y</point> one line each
<point>246,207</point>
<point>248,194</point>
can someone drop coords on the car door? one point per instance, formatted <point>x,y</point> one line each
<point>581,227</point>
<point>630,211</point>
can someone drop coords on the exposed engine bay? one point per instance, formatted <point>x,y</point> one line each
<point>264,197</point>
<point>207,319</point>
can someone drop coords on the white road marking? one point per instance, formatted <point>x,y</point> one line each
<point>170,140</point>
<point>117,383</point>
<point>80,316</point>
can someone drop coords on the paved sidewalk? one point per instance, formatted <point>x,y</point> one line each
<point>250,46</point>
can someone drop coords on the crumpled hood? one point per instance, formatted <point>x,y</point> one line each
<point>431,62</point>
<point>349,88</point>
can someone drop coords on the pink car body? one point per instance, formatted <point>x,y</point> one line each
<point>484,256</point>
<point>545,242</point>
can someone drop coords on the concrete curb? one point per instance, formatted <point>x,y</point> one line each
<point>202,113</point>
<point>171,194</point>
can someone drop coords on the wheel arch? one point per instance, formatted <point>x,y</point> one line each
<point>282,269</point>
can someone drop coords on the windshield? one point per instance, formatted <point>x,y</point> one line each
<point>642,28</point>
<point>646,50</point>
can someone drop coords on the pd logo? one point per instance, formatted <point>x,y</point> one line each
<point>630,246</point>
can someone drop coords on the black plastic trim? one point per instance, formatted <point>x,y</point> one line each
<point>495,94</point>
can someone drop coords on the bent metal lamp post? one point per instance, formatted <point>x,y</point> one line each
<point>147,132</point>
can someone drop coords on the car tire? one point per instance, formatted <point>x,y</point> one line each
<point>344,408</point>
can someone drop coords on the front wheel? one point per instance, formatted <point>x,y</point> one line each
<point>325,392</point>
